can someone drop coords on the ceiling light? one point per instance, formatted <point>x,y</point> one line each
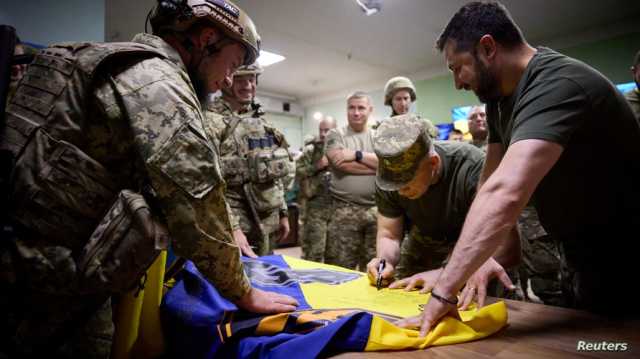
<point>317,116</point>
<point>370,7</point>
<point>267,58</point>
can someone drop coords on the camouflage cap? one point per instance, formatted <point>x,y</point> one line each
<point>400,143</point>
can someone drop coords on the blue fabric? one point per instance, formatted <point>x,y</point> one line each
<point>192,310</point>
<point>443,130</point>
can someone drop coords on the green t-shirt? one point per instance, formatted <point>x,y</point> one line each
<point>594,182</point>
<point>440,212</point>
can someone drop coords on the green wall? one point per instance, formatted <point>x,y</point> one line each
<point>612,57</point>
<point>436,96</point>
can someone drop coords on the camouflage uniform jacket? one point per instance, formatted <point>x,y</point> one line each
<point>313,182</point>
<point>268,196</point>
<point>99,118</point>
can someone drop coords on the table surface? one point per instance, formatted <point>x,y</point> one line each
<point>535,331</point>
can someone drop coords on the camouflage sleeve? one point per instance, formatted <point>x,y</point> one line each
<point>214,126</point>
<point>182,165</point>
<point>284,208</point>
<point>305,166</point>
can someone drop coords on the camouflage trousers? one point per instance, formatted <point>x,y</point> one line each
<point>314,238</point>
<point>263,242</point>
<point>540,268</point>
<point>351,238</point>
<point>36,325</point>
<point>420,253</point>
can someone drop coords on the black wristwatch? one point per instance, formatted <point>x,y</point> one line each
<point>358,156</point>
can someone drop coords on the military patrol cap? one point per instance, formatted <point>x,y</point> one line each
<point>400,143</point>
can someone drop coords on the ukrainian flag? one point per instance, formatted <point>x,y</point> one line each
<point>339,311</point>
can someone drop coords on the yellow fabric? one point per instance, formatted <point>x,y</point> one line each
<point>360,294</point>
<point>474,325</point>
<point>138,330</point>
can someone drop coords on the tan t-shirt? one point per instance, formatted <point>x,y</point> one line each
<point>356,189</point>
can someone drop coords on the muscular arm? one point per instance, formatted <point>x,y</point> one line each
<point>388,238</point>
<point>495,210</point>
<point>495,152</point>
<point>509,252</point>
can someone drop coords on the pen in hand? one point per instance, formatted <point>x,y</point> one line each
<point>380,269</point>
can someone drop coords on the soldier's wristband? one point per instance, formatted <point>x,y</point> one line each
<point>442,299</point>
<point>283,213</point>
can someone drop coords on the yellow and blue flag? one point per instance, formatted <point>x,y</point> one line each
<point>339,311</point>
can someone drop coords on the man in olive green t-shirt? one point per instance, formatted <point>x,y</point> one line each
<point>352,230</point>
<point>548,115</point>
<point>434,184</point>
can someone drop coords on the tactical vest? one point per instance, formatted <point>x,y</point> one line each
<point>58,193</point>
<point>254,151</point>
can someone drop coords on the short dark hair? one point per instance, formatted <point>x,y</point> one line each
<point>477,19</point>
<point>456,131</point>
<point>636,59</point>
<point>360,94</point>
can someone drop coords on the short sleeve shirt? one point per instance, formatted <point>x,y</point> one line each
<point>356,189</point>
<point>440,212</point>
<point>564,101</point>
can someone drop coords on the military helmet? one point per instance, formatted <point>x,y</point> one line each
<point>180,15</point>
<point>395,84</point>
<point>253,69</point>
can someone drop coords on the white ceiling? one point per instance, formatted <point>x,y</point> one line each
<point>332,47</point>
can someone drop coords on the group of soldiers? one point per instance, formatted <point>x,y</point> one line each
<point>410,205</point>
<point>325,233</point>
<point>118,150</point>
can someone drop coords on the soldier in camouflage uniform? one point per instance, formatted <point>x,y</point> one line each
<point>400,94</point>
<point>301,198</point>
<point>255,161</point>
<point>433,184</point>
<point>89,120</point>
<point>538,275</point>
<point>352,230</point>
<point>312,170</point>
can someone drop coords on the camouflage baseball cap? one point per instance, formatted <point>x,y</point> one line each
<point>400,143</point>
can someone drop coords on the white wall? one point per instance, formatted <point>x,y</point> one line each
<point>48,21</point>
<point>288,124</point>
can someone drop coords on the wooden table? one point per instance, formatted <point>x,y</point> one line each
<point>536,331</point>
